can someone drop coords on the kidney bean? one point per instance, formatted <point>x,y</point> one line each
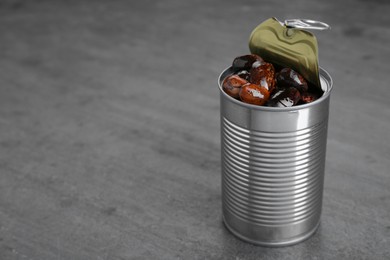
<point>254,94</point>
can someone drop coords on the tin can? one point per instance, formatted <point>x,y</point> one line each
<point>273,162</point>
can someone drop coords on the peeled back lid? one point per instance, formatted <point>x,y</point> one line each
<point>287,45</point>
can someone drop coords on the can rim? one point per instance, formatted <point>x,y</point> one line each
<point>323,74</point>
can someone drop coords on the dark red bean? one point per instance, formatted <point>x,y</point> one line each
<point>286,97</point>
<point>232,85</point>
<point>254,94</point>
<point>264,75</point>
<point>289,78</point>
<point>245,62</point>
<point>244,74</point>
<point>309,97</point>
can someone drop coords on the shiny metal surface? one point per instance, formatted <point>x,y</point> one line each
<point>273,168</point>
<point>306,24</point>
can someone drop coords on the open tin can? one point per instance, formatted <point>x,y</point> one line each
<point>273,163</point>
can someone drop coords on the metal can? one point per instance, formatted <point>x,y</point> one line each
<point>273,162</point>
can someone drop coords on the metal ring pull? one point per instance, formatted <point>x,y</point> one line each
<point>306,24</point>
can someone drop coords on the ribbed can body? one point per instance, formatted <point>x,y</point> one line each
<point>273,162</point>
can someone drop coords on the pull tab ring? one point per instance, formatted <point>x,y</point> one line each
<point>306,24</point>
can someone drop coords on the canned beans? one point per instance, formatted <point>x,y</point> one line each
<point>258,82</point>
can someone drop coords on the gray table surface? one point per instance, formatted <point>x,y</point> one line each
<point>110,133</point>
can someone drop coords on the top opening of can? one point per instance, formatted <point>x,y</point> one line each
<point>326,85</point>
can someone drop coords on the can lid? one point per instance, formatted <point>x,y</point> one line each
<point>289,44</point>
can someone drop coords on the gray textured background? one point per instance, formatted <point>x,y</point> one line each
<point>109,128</point>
